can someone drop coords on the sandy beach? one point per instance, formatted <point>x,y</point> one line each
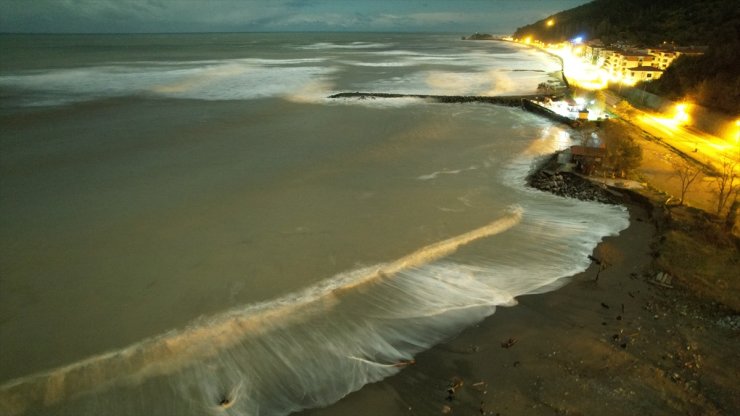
<point>623,344</point>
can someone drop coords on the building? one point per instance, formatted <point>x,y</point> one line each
<point>620,65</point>
<point>593,50</point>
<point>663,57</point>
<point>642,73</point>
<point>587,159</point>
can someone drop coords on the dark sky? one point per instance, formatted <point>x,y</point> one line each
<point>100,16</point>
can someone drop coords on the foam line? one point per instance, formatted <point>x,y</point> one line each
<point>203,340</point>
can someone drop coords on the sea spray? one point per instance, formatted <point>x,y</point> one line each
<point>305,350</point>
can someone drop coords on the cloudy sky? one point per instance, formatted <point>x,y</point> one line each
<point>91,16</point>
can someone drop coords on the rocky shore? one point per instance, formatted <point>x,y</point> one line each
<point>570,185</point>
<point>618,339</point>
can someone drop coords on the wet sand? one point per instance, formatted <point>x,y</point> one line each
<point>619,345</point>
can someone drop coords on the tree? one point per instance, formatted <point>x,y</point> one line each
<point>545,88</point>
<point>727,184</point>
<point>625,110</point>
<point>687,174</point>
<point>623,154</point>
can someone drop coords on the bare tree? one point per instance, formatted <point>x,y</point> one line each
<point>727,184</point>
<point>687,173</point>
<point>623,153</point>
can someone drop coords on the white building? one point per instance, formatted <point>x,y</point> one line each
<point>663,57</point>
<point>642,73</point>
<point>621,65</point>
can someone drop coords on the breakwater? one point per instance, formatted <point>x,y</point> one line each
<point>509,101</point>
<point>534,107</point>
<point>527,102</point>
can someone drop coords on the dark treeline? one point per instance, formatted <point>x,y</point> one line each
<point>712,80</point>
<point>643,23</point>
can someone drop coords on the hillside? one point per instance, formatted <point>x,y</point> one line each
<point>712,80</point>
<point>684,22</point>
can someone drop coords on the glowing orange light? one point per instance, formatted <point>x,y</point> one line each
<point>681,116</point>
<point>550,22</point>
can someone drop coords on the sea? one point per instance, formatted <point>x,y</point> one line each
<point>189,225</point>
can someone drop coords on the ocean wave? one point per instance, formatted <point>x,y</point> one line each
<point>378,64</point>
<point>223,80</point>
<point>302,350</point>
<point>435,174</point>
<point>351,45</point>
<point>312,347</point>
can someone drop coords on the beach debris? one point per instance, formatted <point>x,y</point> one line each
<point>480,386</point>
<point>446,410</point>
<point>404,363</point>
<point>508,343</point>
<point>604,305</point>
<point>225,402</point>
<point>621,340</point>
<point>603,265</point>
<point>663,279</point>
<point>455,384</point>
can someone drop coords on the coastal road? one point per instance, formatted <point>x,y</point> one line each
<point>702,147</point>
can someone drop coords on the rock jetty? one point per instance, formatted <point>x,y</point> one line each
<point>509,101</point>
<point>572,186</point>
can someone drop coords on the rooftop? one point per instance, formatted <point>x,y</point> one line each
<point>645,68</point>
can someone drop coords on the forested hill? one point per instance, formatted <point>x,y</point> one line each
<point>647,22</point>
<point>712,80</point>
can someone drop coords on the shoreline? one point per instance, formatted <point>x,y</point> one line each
<point>614,340</point>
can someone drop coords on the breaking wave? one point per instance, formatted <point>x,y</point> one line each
<point>303,350</point>
<point>238,79</point>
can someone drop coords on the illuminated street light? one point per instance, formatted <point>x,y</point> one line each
<point>551,23</point>
<point>681,116</point>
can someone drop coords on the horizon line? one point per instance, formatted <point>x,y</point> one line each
<point>241,32</point>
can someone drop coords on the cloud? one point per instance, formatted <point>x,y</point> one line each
<point>260,15</point>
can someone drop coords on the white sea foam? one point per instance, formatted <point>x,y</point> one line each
<point>314,344</point>
<point>351,45</point>
<point>486,83</point>
<point>221,80</point>
<point>378,64</point>
<point>395,102</point>
<point>435,174</point>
